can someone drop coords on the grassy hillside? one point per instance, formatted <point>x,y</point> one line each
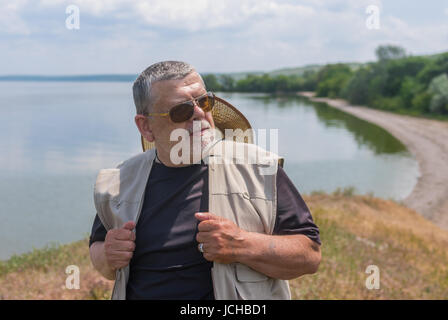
<point>356,231</point>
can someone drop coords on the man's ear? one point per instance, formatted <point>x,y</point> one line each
<point>144,127</point>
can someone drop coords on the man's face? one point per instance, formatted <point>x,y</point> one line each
<point>169,93</point>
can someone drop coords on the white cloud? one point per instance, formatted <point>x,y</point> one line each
<point>200,15</point>
<point>10,20</point>
<point>96,8</point>
<point>190,15</point>
<point>416,40</point>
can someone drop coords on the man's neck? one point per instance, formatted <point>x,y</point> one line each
<point>166,161</point>
<point>163,156</point>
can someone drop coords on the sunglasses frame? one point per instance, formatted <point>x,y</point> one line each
<point>191,103</point>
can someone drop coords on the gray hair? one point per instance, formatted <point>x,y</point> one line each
<point>165,70</point>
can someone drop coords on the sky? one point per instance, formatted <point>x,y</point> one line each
<point>117,36</point>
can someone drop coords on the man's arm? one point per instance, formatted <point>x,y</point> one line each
<point>281,257</point>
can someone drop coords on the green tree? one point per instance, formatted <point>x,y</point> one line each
<point>357,89</point>
<point>439,90</point>
<point>389,52</point>
<point>398,70</point>
<point>433,68</point>
<point>331,79</point>
<point>409,89</point>
<point>421,102</point>
<point>227,82</point>
<point>309,81</point>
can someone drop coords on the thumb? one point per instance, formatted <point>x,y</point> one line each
<point>202,216</point>
<point>129,225</point>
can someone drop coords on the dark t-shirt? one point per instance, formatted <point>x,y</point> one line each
<point>166,263</point>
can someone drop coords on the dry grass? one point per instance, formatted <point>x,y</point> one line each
<point>41,274</point>
<point>356,231</point>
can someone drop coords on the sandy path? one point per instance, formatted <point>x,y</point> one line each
<point>427,140</point>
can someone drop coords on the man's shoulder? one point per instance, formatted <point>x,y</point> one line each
<point>137,159</point>
<point>113,182</point>
<point>125,169</point>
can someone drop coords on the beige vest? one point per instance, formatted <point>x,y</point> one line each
<point>242,188</point>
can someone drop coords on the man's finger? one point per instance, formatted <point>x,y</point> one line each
<point>130,225</point>
<point>202,216</point>
<point>123,234</point>
<point>121,245</point>
<point>207,225</point>
<point>122,255</point>
<point>203,236</point>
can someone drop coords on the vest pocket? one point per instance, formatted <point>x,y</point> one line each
<point>247,274</point>
<point>251,284</point>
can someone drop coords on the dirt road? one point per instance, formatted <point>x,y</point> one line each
<point>427,140</point>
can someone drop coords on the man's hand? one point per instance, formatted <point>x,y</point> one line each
<point>277,256</point>
<point>222,239</point>
<point>119,246</point>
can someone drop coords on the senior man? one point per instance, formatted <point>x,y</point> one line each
<point>203,229</point>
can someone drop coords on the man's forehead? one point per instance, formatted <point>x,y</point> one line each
<point>180,89</point>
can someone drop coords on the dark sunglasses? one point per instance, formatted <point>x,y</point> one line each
<point>183,111</point>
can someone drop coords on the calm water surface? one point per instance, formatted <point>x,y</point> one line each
<point>55,136</point>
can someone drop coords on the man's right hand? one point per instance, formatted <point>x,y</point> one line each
<point>119,246</point>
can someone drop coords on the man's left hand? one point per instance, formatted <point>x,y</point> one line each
<point>222,239</point>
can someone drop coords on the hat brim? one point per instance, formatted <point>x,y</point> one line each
<point>225,116</point>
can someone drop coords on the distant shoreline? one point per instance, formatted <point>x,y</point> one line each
<point>427,140</point>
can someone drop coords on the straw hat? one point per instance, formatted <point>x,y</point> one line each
<point>225,116</point>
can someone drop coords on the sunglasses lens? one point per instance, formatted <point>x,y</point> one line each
<point>206,103</point>
<point>182,112</point>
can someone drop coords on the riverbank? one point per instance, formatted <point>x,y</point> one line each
<point>356,231</point>
<point>427,140</point>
